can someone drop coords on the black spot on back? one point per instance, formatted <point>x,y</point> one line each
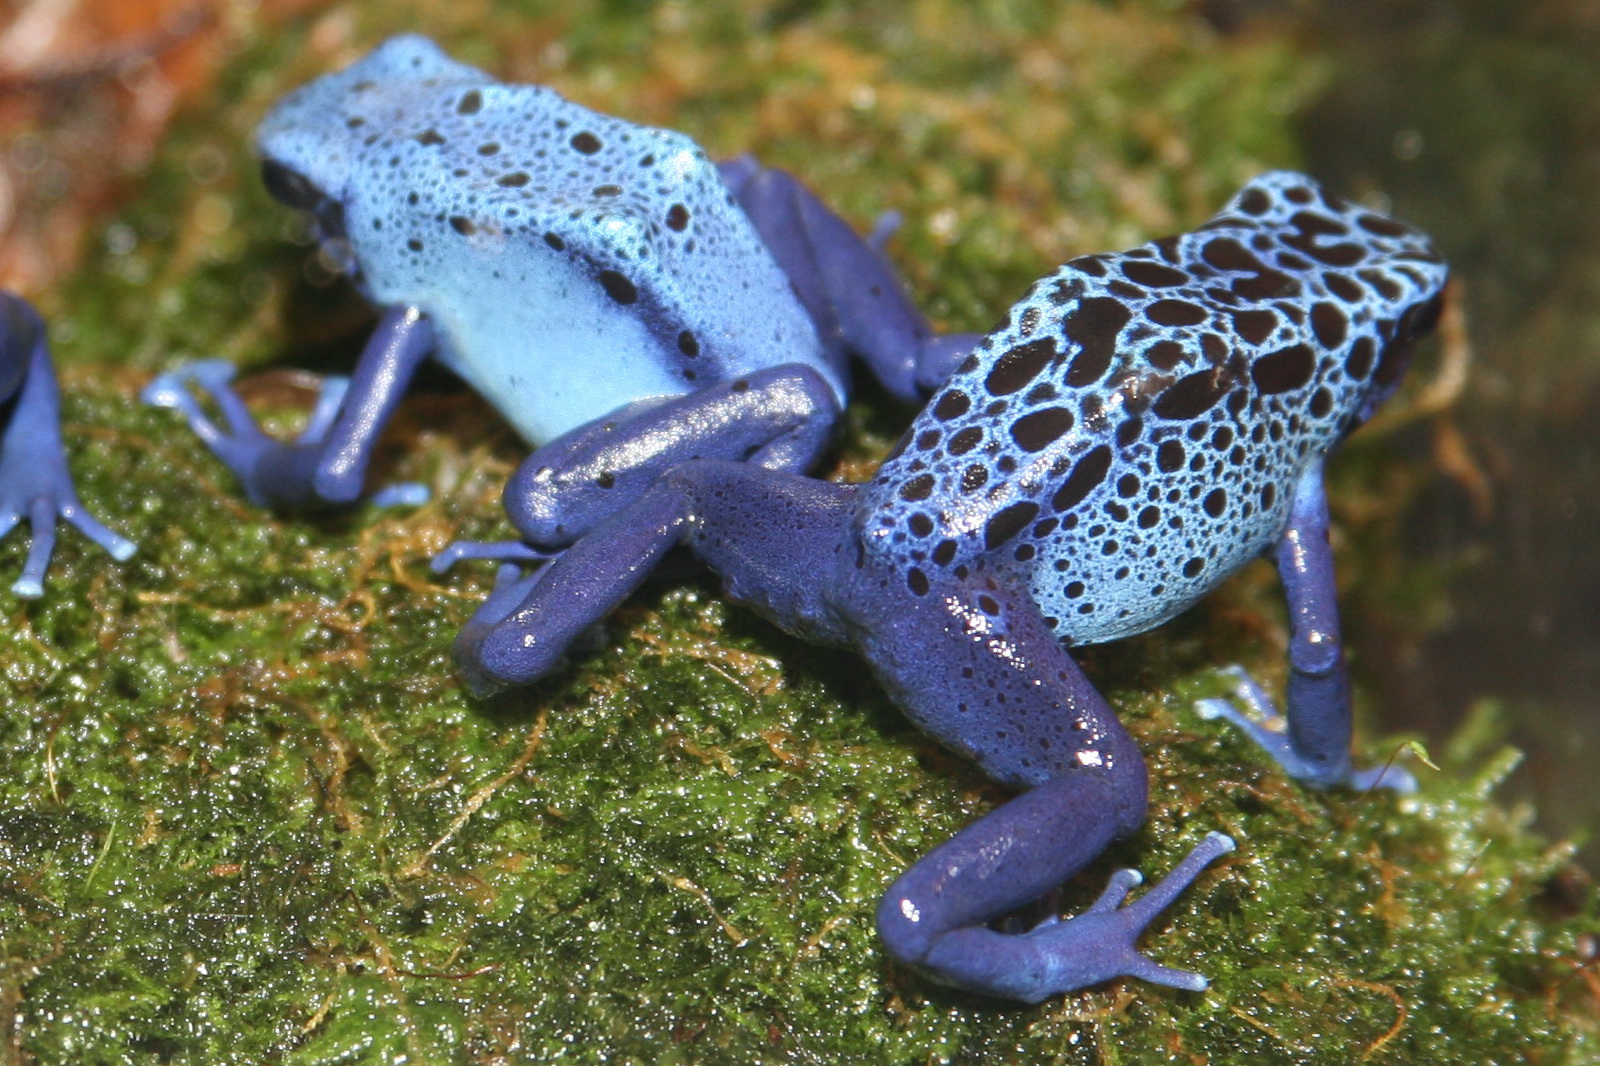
<point>1170,456</point>
<point>1008,523</point>
<point>1175,313</point>
<point>918,488</point>
<point>1089,472</point>
<point>1164,355</point>
<point>1094,325</point>
<point>1254,326</point>
<point>1191,396</point>
<point>618,287</point>
<point>1283,370</point>
<point>1329,324</point>
<point>1254,202</point>
<point>1037,430</point>
<point>1154,275</point>
<point>1019,366</point>
<point>1225,253</point>
<point>953,404</point>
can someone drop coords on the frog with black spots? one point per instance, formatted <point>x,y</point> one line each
<point>1139,427</point>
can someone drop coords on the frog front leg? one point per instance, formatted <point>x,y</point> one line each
<point>327,466</point>
<point>785,527</point>
<point>847,287</point>
<point>778,418</point>
<point>1312,741</point>
<point>34,480</point>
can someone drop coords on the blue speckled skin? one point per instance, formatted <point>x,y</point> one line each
<point>605,285</point>
<point>34,481</point>
<point>1140,426</point>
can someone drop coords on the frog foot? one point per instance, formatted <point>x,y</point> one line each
<point>484,643</point>
<point>1099,944</point>
<point>273,473</point>
<point>42,497</point>
<point>1263,723</point>
<point>501,551</point>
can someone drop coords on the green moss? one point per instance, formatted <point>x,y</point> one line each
<point>250,816</point>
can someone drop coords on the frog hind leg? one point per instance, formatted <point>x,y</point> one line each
<point>326,467</point>
<point>997,688</point>
<point>975,666</point>
<point>35,483</point>
<point>1312,741</point>
<point>851,292</point>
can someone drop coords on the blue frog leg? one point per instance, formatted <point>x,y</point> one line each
<point>35,483</point>
<point>1312,741</point>
<point>974,666</point>
<point>778,418</point>
<point>327,466</point>
<point>850,291</point>
<point>776,522</point>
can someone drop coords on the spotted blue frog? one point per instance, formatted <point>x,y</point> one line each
<point>1140,426</point>
<point>621,300</point>
<point>35,483</point>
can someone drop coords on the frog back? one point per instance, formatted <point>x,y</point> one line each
<point>571,261</point>
<point>1134,430</point>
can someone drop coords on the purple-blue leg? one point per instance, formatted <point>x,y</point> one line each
<point>34,480</point>
<point>974,666</point>
<point>849,289</point>
<point>778,418</point>
<point>326,466</point>
<point>1311,742</point>
<point>522,632</point>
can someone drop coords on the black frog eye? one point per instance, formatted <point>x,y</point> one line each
<point>289,186</point>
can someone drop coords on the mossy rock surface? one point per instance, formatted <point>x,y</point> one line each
<point>249,814</point>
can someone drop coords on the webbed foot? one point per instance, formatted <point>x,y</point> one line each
<point>273,473</point>
<point>1263,723</point>
<point>1063,954</point>
<point>42,497</point>
<point>1098,944</point>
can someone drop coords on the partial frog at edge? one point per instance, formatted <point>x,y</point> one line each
<point>624,302</point>
<point>35,483</point>
<point>1142,425</point>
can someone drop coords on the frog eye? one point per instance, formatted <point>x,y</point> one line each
<point>290,186</point>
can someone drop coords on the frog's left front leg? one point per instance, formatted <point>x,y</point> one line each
<point>1311,742</point>
<point>34,480</point>
<point>327,466</point>
<point>778,418</point>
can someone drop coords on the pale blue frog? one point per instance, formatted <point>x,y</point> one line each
<point>621,300</point>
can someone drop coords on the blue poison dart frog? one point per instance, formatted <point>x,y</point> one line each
<point>623,301</point>
<point>34,481</point>
<point>1140,426</point>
